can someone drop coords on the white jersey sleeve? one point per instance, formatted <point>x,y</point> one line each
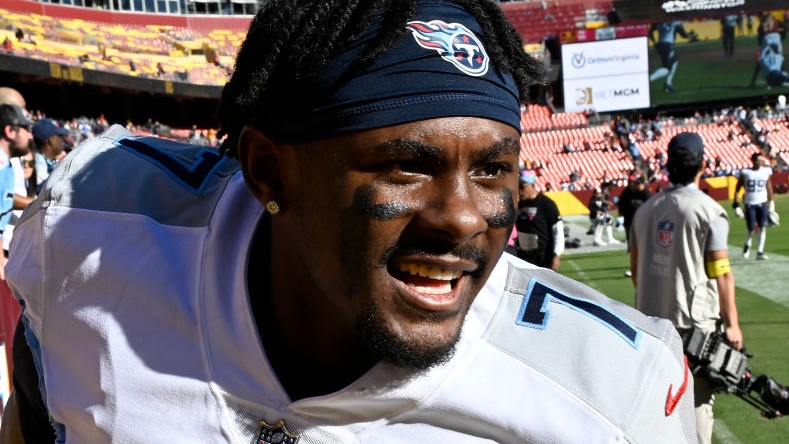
<point>622,365</point>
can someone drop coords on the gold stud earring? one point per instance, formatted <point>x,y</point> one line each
<point>272,207</point>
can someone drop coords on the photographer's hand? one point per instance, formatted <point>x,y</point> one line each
<point>734,336</point>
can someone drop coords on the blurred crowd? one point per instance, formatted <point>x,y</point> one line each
<point>751,129</point>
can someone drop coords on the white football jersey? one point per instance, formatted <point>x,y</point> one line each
<point>755,184</point>
<point>132,269</point>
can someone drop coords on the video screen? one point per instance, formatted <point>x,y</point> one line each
<point>734,56</point>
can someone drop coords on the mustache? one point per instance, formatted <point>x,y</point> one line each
<point>470,253</point>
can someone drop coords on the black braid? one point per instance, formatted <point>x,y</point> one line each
<point>290,40</point>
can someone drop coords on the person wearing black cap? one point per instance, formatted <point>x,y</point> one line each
<point>15,141</point>
<point>335,273</point>
<point>680,263</point>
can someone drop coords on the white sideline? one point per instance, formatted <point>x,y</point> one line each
<point>760,276</point>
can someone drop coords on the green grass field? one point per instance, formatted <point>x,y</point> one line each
<point>763,305</point>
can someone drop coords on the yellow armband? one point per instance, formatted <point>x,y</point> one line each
<point>718,268</point>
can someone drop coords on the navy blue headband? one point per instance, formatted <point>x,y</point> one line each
<point>438,69</point>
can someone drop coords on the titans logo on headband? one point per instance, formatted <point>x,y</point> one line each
<point>454,42</point>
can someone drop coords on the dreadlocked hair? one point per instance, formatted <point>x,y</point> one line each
<point>291,40</point>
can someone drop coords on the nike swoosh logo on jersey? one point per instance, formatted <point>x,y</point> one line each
<point>673,400</point>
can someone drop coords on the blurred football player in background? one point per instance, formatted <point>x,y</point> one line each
<point>758,203</point>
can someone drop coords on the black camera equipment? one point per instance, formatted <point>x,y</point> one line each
<point>710,357</point>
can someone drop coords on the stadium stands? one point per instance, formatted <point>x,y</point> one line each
<point>545,133</point>
<point>117,47</point>
<point>536,20</point>
<point>200,52</point>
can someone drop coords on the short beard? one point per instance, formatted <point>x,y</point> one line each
<point>397,351</point>
<point>18,151</point>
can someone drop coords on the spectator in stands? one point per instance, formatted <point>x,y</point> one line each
<point>84,129</point>
<point>12,97</point>
<point>20,36</point>
<point>227,7</point>
<point>102,50</point>
<point>215,60</point>
<point>632,149</point>
<point>14,141</point>
<point>537,166</point>
<point>621,126</point>
<point>8,45</point>
<point>101,124</point>
<point>149,126</point>
<point>49,140</point>
<point>159,69</point>
<point>575,176</point>
<point>25,190</point>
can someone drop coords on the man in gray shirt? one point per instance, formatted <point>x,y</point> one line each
<point>680,263</point>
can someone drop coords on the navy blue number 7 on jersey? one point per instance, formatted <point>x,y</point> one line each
<point>192,175</point>
<point>535,311</point>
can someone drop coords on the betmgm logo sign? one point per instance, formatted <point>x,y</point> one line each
<point>586,96</point>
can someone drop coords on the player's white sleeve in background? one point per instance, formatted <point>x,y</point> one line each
<point>558,238</point>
